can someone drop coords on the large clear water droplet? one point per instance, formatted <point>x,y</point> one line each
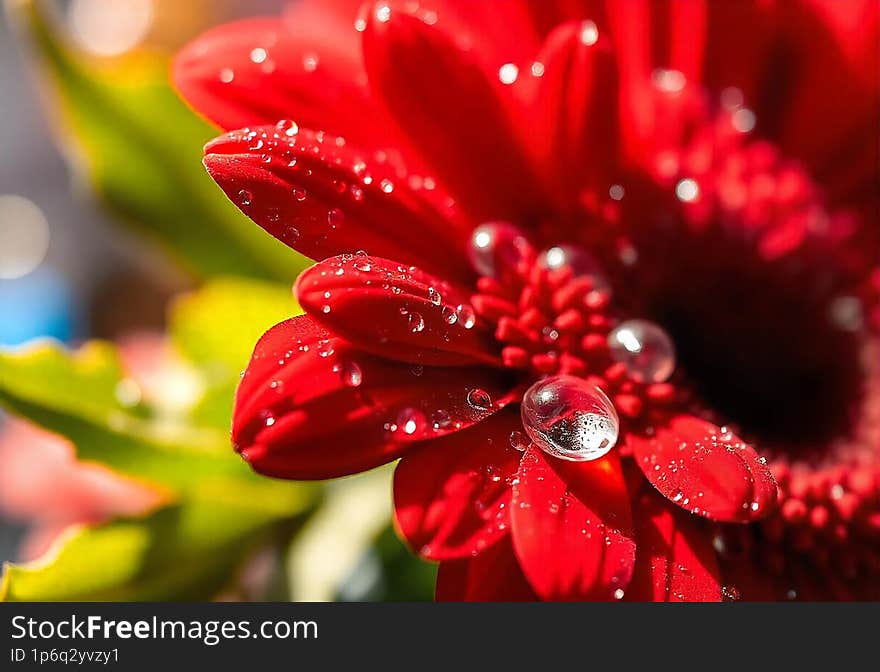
<point>569,418</point>
<point>495,246</point>
<point>645,349</point>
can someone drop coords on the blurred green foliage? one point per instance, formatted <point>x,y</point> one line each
<point>141,148</point>
<point>216,508</point>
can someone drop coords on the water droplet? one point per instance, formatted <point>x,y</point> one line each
<point>227,75</point>
<point>479,399</point>
<point>335,217</point>
<point>645,349</point>
<point>325,348</point>
<point>569,418</point>
<point>589,34</point>
<point>434,296</point>
<point>495,245</point>
<point>362,264</point>
<point>299,194</point>
<point>410,420</point>
<point>267,418</point>
<point>619,593</point>
<point>387,186</point>
<point>245,197</point>
<point>288,127</point>
<point>518,441</point>
<point>450,316</point>
<point>440,419</point>
<point>687,190</point>
<point>743,120</point>
<point>508,73</point>
<point>669,81</point>
<point>465,316</point>
<point>730,594</point>
<point>351,374</point>
<point>290,234</point>
<point>259,55</point>
<point>416,322</point>
<point>383,13</point>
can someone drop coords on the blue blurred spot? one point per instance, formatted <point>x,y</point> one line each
<point>34,306</point>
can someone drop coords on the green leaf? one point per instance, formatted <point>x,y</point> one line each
<point>141,148</point>
<point>187,551</point>
<point>216,329</point>
<point>75,394</point>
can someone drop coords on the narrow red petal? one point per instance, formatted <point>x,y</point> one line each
<point>675,560</point>
<point>572,529</point>
<point>257,71</point>
<point>705,470</point>
<point>322,197</point>
<point>314,406</point>
<point>574,108</point>
<point>451,111</point>
<point>492,576</point>
<point>396,311</point>
<point>452,495</point>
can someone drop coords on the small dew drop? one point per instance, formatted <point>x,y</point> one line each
<point>687,190</point>
<point>410,420</point>
<point>465,316</point>
<point>589,34</point>
<point>245,197</point>
<point>518,441</point>
<point>450,316</point>
<point>416,322</point>
<point>508,73</point>
<point>479,399</point>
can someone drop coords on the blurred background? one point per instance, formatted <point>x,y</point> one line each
<point>66,271</point>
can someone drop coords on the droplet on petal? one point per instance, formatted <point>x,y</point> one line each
<point>495,245</point>
<point>416,322</point>
<point>410,420</point>
<point>352,375</point>
<point>645,349</point>
<point>465,316</point>
<point>569,418</point>
<point>479,399</point>
<point>518,441</point>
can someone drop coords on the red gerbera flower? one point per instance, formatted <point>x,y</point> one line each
<point>591,229</point>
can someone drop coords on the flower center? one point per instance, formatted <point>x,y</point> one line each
<point>757,283</point>
<point>551,316</point>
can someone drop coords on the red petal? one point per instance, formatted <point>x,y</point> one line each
<point>324,198</point>
<point>572,529</point>
<point>675,560</point>
<point>493,576</point>
<point>314,406</point>
<point>575,110</point>
<point>258,71</point>
<point>397,312</point>
<point>451,112</point>
<point>452,496</point>
<point>694,464</point>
